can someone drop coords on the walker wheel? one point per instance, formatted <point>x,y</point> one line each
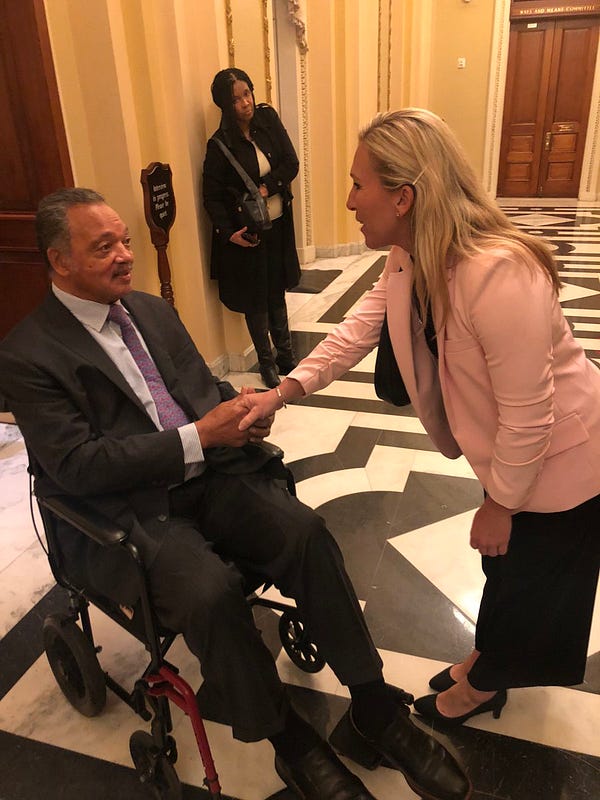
<point>297,644</point>
<point>74,663</point>
<point>154,768</point>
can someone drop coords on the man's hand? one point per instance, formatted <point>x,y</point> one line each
<point>221,426</point>
<point>490,531</point>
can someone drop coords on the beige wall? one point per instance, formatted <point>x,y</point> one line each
<point>134,78</point>
<point>460,95</point>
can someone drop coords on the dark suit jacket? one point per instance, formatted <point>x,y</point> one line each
<point>91,436</point>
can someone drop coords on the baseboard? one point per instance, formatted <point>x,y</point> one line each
<point>346,249</point>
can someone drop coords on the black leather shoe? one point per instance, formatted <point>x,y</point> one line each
<point>442,681</point>
<point>427,707</point>
<point>429,769</point>
<point>268,373</point>
<point>320,775</point>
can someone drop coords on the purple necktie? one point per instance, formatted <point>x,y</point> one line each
<point>170,413</point>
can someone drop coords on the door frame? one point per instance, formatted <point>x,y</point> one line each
<point>590,170</point>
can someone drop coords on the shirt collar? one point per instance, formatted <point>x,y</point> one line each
<point>88,312</point>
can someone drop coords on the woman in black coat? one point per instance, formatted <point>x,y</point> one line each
<point>253,269</point>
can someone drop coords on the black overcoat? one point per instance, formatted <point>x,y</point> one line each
<point>243,272</point>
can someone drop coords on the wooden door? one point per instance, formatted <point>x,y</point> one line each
<point>548,94</point>
<point>34,157</point>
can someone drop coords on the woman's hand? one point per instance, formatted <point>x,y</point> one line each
<point>243,238</point>
<point>490,531</point>
<point>260,405</point>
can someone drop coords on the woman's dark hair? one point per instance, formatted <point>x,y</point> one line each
<point>222,93</point>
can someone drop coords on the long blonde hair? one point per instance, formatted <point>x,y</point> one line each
<point>452,216</point>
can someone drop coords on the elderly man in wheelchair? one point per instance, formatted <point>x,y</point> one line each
<point>120,413</point>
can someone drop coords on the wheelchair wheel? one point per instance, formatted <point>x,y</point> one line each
<point>73,661</point>
<point>153,767</point>
<point>297,644</point>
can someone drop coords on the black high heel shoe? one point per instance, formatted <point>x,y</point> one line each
<point>443,680</point>
<point>426,707</point>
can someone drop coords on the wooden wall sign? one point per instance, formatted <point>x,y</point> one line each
<point>528,9</point>
<point>159,210</point>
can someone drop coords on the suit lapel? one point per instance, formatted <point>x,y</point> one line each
<point>67,329</point>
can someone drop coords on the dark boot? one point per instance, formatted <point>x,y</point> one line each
<point>258,327</point>
<point>280,333</point>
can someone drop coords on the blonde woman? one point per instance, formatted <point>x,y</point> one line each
<point>493,371</point>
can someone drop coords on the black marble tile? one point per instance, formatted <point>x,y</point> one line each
<point>304,342</point>
<point>353,404</point>
<point>500,767</point>
<point>23,644</point>
<point>361,525</point>
<point>337,310</point>
<point>406,613</point>
<point>507,768</point>
<point>311,466</point>
<point>356,446</point>
<point>31,770</point>
<point>411,441</point>
<point>429,498</point>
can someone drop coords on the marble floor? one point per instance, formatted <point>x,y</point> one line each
<point>400,512</point>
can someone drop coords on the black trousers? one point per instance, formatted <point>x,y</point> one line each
<point>222,527</point>
<point>536,610</point>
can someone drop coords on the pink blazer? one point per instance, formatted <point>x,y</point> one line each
<point>512,390</point>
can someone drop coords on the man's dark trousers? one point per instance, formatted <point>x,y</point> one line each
<point>225,525</point>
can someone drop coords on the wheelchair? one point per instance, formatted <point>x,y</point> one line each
<point>72,652</point>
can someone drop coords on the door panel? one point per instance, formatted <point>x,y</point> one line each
<point>34,156</point>
<point>569,97</point>
<point>548,95</point>
<point>530,53</point>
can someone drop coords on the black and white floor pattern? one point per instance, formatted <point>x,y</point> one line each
<point>400,512</point>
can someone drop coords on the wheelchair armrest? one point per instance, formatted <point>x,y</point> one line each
<point>90,522</point>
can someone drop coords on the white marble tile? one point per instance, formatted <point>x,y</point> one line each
<point>25,581</point>
<point>588,344</point>
<point>436,464</point>
<point>581,312</point>
<point>581,248</point>
<point>553,716</point>
<point>388,422</point>
<point>535,220</point>
<point>323,488</point>
<point>367,364</point>
<point>442,553</point>
<point>388,468</point>
<point>303,431</point>
<point>570,291</point>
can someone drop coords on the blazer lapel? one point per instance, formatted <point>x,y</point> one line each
<point>398,310</point>
<point>416,363</point>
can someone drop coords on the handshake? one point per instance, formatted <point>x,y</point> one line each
<point>246,418</point>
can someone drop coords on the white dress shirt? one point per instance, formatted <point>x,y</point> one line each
<point>93,317</point>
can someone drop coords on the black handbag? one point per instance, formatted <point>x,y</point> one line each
<point>251,207</point>
<point>389,385</point>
